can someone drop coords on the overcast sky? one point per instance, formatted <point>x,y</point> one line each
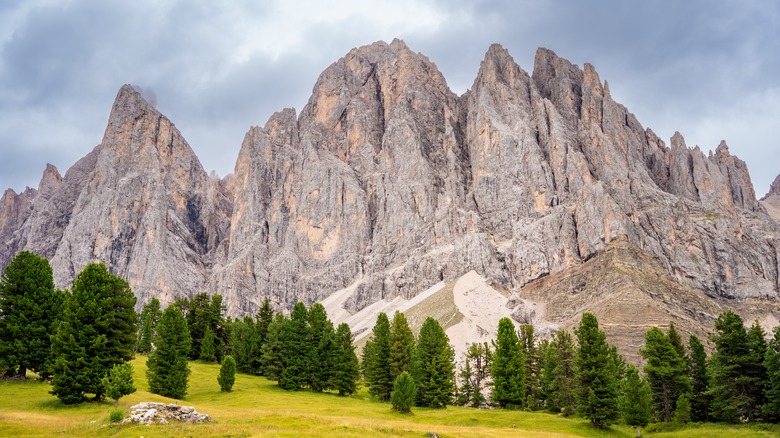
<point>709,69</point>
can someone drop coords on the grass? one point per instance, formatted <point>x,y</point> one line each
<point>256,407</point>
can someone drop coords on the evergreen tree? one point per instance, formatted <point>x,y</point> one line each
<point>30,310</point>
<point>376,360</point>
<point>296,350</point>
<point>404,393</point>
<point>729,382</point>
<point>508,369</point>
<point>167,368</point>
<point>227,374</point>
<point>243,338</point>
<point>150,316</point>
<point>98,330</point>
<point>322,355</point>
<point>465,390</point>
<point>635,402</point>
<point>667,372</point>
<point>208,346</point>
<point>119,382</point>
<point>771,407</point>
<point>346,370</point>
<point>480,358</point>
<point>433,366</point>
<point>401,345</point>
<point>755,375</point>
<point>274,359</point>
<point>202,312</point>
<point>263,319</point>
<point>697,370</point>
<point>534,398</point>
<point>598,390</point>
<point>563,395</point>
<point>676,341</point>
<point>682,410</point>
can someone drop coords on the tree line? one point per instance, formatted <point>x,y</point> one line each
<point>83,338</point>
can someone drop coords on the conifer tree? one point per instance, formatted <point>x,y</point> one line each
<point>508,369</point>
<point>202,312</point>
<point>755,374</point>
<point>667,372</point>
<point>563,381</point>
<point>243,337</point>
<point>404,393</point>
<point>98,330</point>
<point>730,401</point>
<point>296,350</point>
<point>635,402</point>
<point>676,341</point>
<point>227,374</point>
<point>150,316</point>
<point>697,370</point>
<point>119,382</point>
<point>433,366</point>
<point>167,368</point>
<point>480,357</point>
<point>534,398</point>
<point>376,360</point>
<point>323,349</point>
<point>30,310</point>
<point>465,391</point>
<point>598,390</point>
<point>274,358</point>
<point>263,319</point>
<point>208,346</point>
<point>771,407</point>
<point>401,345</point>
<point>682,410</point>
<point>346,370</point>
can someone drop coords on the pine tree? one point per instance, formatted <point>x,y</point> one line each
<point>227,374</point>
<point>433,366</point>
<point>31,310</point>
<point>534,398</point>
<point>697,370</point>
<point>465,390</point>
<point>598,390</point>
<point>208,346</point>
<point>98,330</point>
<point>755,374</point>
<point>262,320</point>
<point>563,384</point>
<point>508,369</point>
<point>243,337</point>
<point>376,360</point>
<point>274,358</point>
<point>682,410</point>
<point>771,407</point>
<point>150,316</point>
<point>296,349</point>
<point>404,393</point>
<point>480,357</point>
<point>322,356</point>
<point>676,341</point>
<point>167,368</point>
<point>119,382</point>
<point>346,370</point>
<point>729,400</point>
<point>401,345</point>
<point>667,372</point>
<point>635,402</point>
<point>202,312</point>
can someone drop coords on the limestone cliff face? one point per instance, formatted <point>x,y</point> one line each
<point>387,183</point>
<point>771,201</point>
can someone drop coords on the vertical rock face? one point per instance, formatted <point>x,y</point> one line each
<point>387,183</point>
<point>771,201</point>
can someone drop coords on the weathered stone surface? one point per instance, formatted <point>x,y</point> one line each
<point>161,413</point>
<point>771,201</point>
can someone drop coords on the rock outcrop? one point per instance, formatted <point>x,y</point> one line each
<point>161,413</point>
<point>387,183</point>
<point>771,201</point>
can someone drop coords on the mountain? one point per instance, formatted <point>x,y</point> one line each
<point>388,184</point>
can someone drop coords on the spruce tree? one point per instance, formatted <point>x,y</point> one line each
<point>771,407</point>
<point>274,358</point>
<point>208,346</point>
<point>167,368</point>
<point>667,372</point>
<point>30,310</point>
<point>563,385</point>
<point>98,330</point>
<point>755,374</point>
<point>262,320</point>
<point>296,349</point>
<point>465,390</point>
<point>202,312</point>
<point>150,316</point>
<point>227,374</point>
<point>401,345</point>
<point>119,382</point>
<point>682,410</point>
<point>346,370</point>
<point>242,339</point>
<point>433,366</point>
<point>676,341</point>
<point>598,390</point>
<point>508,369</point>
<point>480,358</point>
<point>404,393</point>
<point>376,360</point>
<point>697,370</point>
<point>323,349</point>
<point>730,401</point>
<point>534,398</point>
<point>635,402</point>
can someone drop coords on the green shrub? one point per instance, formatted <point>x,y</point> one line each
<point>116,415</point>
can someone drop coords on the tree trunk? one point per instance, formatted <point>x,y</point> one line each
<point>638,432</point>
<point>22,373</point>
<point>116,405</point>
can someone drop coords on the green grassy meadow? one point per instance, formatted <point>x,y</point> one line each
<point>256,407</point>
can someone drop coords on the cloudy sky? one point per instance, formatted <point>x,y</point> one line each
<point>709,69</point>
